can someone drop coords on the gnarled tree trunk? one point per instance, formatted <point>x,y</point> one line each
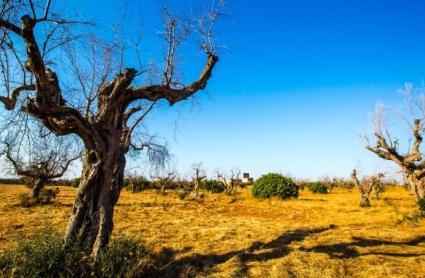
<point>98,192</point>
<point>364,188</point>
<point>364,200</point>
<point>416,184</point>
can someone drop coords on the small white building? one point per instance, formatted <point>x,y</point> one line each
<point>246,179</point>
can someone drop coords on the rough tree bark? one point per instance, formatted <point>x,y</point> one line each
<point>106,135</point>
<point>38,185</point>
<point>98,192</point>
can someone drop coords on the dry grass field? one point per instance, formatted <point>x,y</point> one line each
<point>318,235</point>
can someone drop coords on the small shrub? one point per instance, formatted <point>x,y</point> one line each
<point>140,185</point>
<point>182,195</point>
<point>121,259</point>
<point>25,200</point>
<point>43,255</point>
<point>126,182</point>
<point>37,256</point>
<point>46,197</point>
<point>414,218</point>
<point>183,185</point>
<point>213,186</point>
<point>275,185</point>
<point>317,187</point>
<point>137,184</point>
<point>421,204</point>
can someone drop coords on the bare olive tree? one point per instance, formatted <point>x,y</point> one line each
<point>197,178</point>
<point>48,159</point>
<point>230,181</point>
<point>378,187</point>
<point>411,163</point>
<point>164,178</point>
<point>366,186</point>
<point>34,40</point>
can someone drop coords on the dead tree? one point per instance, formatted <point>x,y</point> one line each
<point>377,185</point>
<point>132,179</point>
<point>198,177</point>
<point>114,106</point>
<point>164,179</point>
<point>411,163</point>
<point>365,188</point>
<point>230,181</point>
<point>48,160</point>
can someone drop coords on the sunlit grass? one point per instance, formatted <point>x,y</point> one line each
<point>318,235</point>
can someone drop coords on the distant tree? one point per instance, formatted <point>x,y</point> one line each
<point>164,178</point>
<point>378,187</point>
<point>49,158</point>
<point>366,186</point>
<point>230,181</point>
<point>76,84</point>
<point>364,189</point>
<point>132,179</point>
<point>412,163</point>
<point>197,178</point>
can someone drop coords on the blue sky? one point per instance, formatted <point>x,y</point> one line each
<point>294,91</point>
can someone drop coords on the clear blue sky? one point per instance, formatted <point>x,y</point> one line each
<point>295,89</point>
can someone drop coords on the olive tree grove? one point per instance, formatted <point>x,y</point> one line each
<point>87,92</point>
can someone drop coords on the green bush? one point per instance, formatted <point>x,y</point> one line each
<point>43,255</point>
<point>275,185</point>
<point>139,185</point>
<point>75,182</point>
<point>213,186</point>
<point>126,182</point>
<point>317,187</point>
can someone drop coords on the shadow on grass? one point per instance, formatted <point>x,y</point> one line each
<point>347,249</point>
<point>312,200</point>
<point>189,266</point>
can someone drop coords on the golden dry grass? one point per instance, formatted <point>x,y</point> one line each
<point>315,236</point>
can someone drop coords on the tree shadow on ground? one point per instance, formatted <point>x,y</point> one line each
<point>345,250</point>
<point>189,266</point>
<point>312,200</point>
